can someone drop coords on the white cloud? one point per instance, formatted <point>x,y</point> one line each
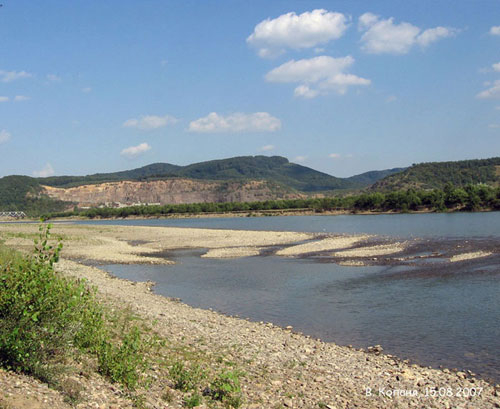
<point>237,122</point>
<point>164,63</point>
<point>305,92</point>
<point>300,158</point>
<point>4,99</point>
<point>494,126</point>
<point>148,122</point>
<point>383,36</point>
<point>46,171</point>
<point>4,136</point>
<point>497,108</point>
<point>19,98</point>
<point>492,92</point>
<point>496,67</point>
<point>391,98</point>
<point>495,31</point>
<point>432,35</point>
<point>133,151</point>
<point>9,76</point>
<point>318,75</point>
<point>86,90</point>
<point>53,78</point>
<point>272,37</point>
<point>334,155</point>
<point>267,148</point>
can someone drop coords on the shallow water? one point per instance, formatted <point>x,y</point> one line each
<point>430,314</point>
<point>428,310</point>
<point>485,224</point>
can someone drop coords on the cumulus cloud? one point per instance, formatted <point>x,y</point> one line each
<point>496,67</point>
<point>237,122</point>
<point>46,171</point>
<point>9,76</point>
<point>384,36</point>
<point>318,75</point>
<point>19,98</point>
<point>149,122</point>
<point>495,31</point>
<point>133,151</point>
<point>4,136</point>
<point>267,148</point>
<point>334,155</point>
<point>4,99</point>
<point>492,92</point>
<point>305,92</point>
<point>272,37</point>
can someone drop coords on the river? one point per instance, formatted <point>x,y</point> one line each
<point>434,314</point>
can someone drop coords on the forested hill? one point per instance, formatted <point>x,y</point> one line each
<point>275,169</point>
<point>435,175</point>
<point>23,193</point>
<point>27,193</point>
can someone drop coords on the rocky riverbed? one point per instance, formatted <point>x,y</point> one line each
<point>282,369</point>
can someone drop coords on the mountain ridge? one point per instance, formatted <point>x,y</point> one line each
<point>244,178</point>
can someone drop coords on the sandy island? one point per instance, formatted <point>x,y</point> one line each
<point>283,369</point>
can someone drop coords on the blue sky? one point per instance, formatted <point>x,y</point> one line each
<point>341,86</point>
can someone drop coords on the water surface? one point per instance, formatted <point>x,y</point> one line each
<point>432,317</point>
<point>485,224</point>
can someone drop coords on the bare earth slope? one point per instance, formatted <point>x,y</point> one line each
<point>170,191</point>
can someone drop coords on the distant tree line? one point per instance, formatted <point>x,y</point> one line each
<point>469,198</point>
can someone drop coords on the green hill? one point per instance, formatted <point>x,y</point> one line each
<point>435,175</point>
<point>369,178</point>
<point>23,193</point>
<point>155,170</point>
<point>275,168</point>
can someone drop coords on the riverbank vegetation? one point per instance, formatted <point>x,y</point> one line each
<point>53,326</point>
<point>469,198</point>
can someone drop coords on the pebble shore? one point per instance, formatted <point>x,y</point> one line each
<point>283,369</point>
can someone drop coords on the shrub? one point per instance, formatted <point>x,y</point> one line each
<point>226,388</point>
<point>185,379</point>
<point>44,317</point>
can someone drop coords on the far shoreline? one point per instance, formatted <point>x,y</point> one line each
<point>246,213</point>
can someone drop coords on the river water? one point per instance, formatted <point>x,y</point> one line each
<point>434,314</point>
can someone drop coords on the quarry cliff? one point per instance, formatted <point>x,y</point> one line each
<point>170,191</point>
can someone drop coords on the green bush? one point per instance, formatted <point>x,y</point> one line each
<point>44,317</point>
<point>123,363</point>
<point>226,388</point>
<point>186,379</point>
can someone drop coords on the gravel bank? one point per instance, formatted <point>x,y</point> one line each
<point>470,256</point>
<point>325,244</point>
<point>282,369</point>
<point>293,370</point>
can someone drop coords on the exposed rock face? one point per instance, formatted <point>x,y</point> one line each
<point>170,191</point>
